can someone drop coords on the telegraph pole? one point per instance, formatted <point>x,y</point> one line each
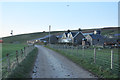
<point>49,33</point>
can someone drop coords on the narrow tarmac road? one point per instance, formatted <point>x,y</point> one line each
<point>50,64</point>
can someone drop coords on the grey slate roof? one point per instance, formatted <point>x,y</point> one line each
<point>85,34</point>
<point>96,36</point>
<point>74,33</point>
<point>116,34</point>
<point>59,36</point>
<point>45,37</point>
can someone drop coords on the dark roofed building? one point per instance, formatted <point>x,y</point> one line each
<point>72,37</point>
<point>53,39</point>
<point>74,33</point>
<point>77,37</point>
<point>95,39</point>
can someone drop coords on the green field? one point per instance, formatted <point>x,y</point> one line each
<point>10,49</point>
<point>85,58</point>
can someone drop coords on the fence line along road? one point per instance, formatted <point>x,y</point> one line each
<point>105,58</point>
<point>12,60</point>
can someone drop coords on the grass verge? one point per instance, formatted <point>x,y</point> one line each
<point>91,67</point>
<point>23,70</point>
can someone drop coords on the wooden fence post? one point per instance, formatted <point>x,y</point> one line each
<point>77,50</point>
<point>66,48</point>
<point>28,49</point>
<point>17,56</point>
<point>8,60</point>
<point>58,47</point>
<point>21,53</point>
<point>83,51</point>
<point>25,51</point>
<point>111,59</point>
<point>94,55</point>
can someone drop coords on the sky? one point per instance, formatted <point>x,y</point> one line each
<point>29,17</point>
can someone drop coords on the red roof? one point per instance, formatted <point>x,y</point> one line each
<point>1,41</point>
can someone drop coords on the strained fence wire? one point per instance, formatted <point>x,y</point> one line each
<point>96,56</point>
<point>13,59</point>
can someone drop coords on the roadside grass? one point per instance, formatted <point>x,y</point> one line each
<point>87,62</point>
<point>24,69</point>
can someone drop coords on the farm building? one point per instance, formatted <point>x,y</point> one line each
<point>96,38</point>
<point>45,39</point>
<point>84,42</point>
<point>33,41</point>
<point>53,39</point>
<point>64,38</point>
<point>59,38</point>
<point>72,37</point>
<point>112,41</point>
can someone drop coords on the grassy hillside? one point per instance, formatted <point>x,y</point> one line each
<point>24,37</point>
<point>107,31</point>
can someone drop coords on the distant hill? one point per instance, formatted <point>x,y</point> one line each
<point>24,37</point>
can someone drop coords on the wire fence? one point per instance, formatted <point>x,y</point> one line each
<point>105,58</point>
<point>12,60</point>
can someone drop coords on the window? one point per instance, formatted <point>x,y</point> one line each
<point>98,40</point>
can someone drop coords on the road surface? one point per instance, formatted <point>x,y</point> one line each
<point>50,64</point>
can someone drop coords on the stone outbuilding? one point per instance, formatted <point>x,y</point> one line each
<point>96,38</point>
